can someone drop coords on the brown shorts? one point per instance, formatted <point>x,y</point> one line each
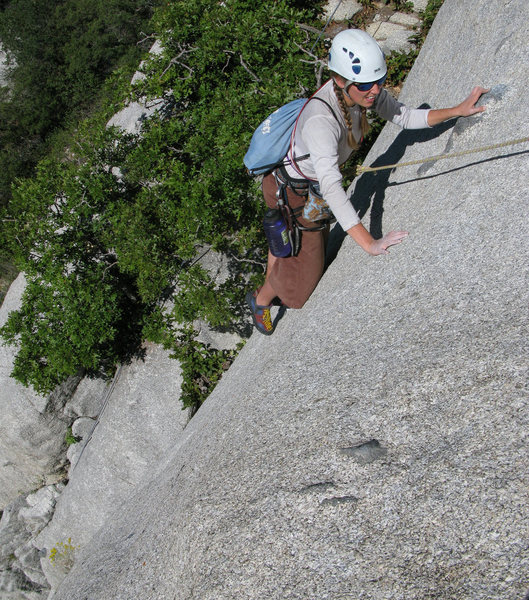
<point>295,277</point>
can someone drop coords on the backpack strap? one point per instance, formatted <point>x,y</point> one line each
<point>293,160</point>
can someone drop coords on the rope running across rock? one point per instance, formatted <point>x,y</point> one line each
<point>363,169</point>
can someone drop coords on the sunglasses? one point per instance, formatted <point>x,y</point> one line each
<point>365,87</point>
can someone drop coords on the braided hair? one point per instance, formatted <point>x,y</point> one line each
<point>364,124</point>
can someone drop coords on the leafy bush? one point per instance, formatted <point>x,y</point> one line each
<point>78,309</point>
<point>399,65</point>
<point>60,54</point>
<point>70,438</point>
<point>401,5</point>
<point>110,232</point>
<point>427,17</point>
<point>107,235</point>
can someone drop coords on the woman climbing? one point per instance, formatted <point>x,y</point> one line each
<point>326,133</point>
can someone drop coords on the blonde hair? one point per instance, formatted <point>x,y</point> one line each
<point>364,124</point>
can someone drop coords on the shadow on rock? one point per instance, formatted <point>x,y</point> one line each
<point>370,188</point>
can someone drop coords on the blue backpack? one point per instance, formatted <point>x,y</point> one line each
<point>271,140</point>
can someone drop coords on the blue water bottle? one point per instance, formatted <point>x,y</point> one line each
<point>276,232</point>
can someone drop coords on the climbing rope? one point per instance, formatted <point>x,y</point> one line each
<point>363,169</point>
<point>105,402</point>
<point>325,27</point>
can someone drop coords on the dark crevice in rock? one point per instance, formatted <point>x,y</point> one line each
<point>366,452</point>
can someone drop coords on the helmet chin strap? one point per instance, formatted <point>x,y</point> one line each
<point>347,83</point>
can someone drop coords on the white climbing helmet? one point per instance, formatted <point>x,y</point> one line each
<point>357,57</point>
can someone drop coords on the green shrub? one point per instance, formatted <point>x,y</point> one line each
<point>70,438</point>
<point>401,5</point>
<point>60,56</point>
<point>399,65</point>
<point>108,233</point>
<point>427,17</point>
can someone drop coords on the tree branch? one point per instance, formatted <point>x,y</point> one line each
<point>175,60</point>
<point>229,54</point>
<point>249,260</point>
<point>107,268</point>
<point>247,68</point>
<point>302,26</point>
<point>313,56</point>
<point>148,37</point>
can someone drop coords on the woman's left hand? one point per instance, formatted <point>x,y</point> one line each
<point>381,245</point>
<point>468,107</point>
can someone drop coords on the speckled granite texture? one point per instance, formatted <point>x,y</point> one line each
<point>376,446</point>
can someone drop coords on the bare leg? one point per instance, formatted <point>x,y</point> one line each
<point>266,293</point>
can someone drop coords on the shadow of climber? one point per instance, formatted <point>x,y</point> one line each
<point>370,188</point>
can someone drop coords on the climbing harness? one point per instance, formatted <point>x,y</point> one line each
<point>364,169</point>
<point>291,215</point>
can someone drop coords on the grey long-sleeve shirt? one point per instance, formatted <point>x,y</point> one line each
<point>324,137</point>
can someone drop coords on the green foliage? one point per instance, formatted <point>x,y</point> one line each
<point>70,438</point>
<point>399,65</point>
<point>401,5</point>
<point>198,298</point>
<point>114,24</point>
<point>107,234</point>
<point>202,367</point>
<point>60,54</point>
<point>361,18</point>
<point>75,301</point>
<point>427,18</point>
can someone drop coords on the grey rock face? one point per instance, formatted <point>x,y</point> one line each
<point>33,427</point>
<point>132,116</point>
<point>21,575</point>
<point>391,31</point>
<point>217,266</point>
<point>142,418</point>
<point>420,4</point>
<point>392,34</point>
<point>424,351</point>
<point>87,400</point>
<point>276,488</point>
<point>3,67</point>
<point>31,437</point>
<point>41,505</point>
<point>341,10</point>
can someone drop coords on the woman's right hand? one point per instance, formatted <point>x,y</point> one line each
<point>390,239</point>
<point>375,247</point>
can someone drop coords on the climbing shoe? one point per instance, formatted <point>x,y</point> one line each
<point>262,319</point>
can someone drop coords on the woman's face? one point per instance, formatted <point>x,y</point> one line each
<point>365,99</point>
<point>354,96</point>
